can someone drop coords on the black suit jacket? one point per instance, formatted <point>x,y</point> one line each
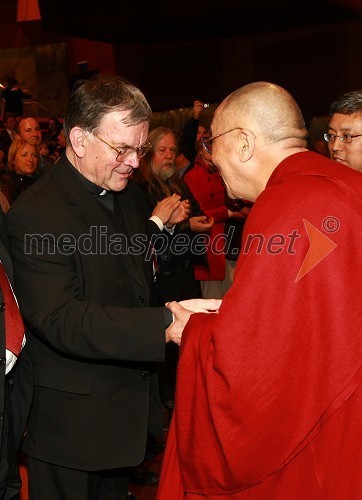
<point>93,337</point>
<point>5,143</point>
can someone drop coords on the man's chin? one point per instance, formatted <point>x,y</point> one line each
<point>119,185</point>
<point>167,173</point>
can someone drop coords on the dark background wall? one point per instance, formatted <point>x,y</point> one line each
<point>180,52</point>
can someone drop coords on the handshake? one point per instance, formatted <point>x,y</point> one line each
<point>181,312</point>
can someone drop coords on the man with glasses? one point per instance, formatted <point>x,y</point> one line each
<point>83,270</point>
<point>268,397</point>
<point>344,136</point>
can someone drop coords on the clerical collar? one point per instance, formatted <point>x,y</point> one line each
<point>91,187</point>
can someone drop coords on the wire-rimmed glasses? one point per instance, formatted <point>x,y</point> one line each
<point>125,152</point>
<point>207,141</point>
<point>345,138</point>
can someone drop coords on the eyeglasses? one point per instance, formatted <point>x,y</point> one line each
<point>346,138</point>
<point>124,153</point>
<point>207,141</point>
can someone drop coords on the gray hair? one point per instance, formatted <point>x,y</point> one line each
<point>92,99</point>
<point>347,104</point>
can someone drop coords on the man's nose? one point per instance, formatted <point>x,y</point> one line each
<point>337,145</point>
<point>133,160</point>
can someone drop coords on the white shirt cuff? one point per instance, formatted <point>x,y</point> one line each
<point>157,221</point>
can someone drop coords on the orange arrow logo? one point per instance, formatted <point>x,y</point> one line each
<point>320,247</point>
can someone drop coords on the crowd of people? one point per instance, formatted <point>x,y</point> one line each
<point>207,277</point>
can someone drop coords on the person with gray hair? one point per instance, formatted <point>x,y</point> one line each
<point>268,396</point>
<point>344,135</point>
<point>81,242</point>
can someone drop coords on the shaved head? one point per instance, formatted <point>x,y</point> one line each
<point>266,108</point>
<point>256,127</point>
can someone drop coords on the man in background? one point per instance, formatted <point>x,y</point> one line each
<point>14,95</point>
<point>344,136</point>
<point>189,139</point>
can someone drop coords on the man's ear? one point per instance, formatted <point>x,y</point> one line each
<point>78,140</point>
<point>246,146</point>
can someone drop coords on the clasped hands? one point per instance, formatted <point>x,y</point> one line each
<point>183,310</point>
<point>172,210</point>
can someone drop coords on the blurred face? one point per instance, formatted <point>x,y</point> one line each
<point>61,139</point>
<point>99,164</point>
<point>163,160</point>
<point>26,160</point>
<point>44,149</point>
<point>10,123</point>
<point>52,125</point>
<point>29,130</point>
<point>349,154</point>
<point>201,132</point>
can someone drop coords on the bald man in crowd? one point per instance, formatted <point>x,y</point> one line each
<point>344,135</point>
<point>268,401</point>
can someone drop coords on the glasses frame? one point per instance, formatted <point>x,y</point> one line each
<point>208,147</point>
<point>140,152</point>
<point>325,136</point>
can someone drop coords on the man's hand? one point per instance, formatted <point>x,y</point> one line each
<point>165,208</point>
<point>182,312</point>
<point>181,213</point>
<point>199,305</point>
<point>242,214</point>
<point>200,223</point>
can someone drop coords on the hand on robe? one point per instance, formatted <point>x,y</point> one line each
<point>182,311</point>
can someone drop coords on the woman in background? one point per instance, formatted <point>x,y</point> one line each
<point>23,161</point>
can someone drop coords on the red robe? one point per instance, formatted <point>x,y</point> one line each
<point>268,401</point>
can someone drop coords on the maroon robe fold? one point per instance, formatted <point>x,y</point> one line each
<point>268,401</point>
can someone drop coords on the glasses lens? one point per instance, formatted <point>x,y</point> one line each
<point>143,150</point>
<point>345,138</point>
<point>207,144</point>
<point>123,154</point>
<point>140,152</point>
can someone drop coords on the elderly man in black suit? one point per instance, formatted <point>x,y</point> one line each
<point>81,241</point>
